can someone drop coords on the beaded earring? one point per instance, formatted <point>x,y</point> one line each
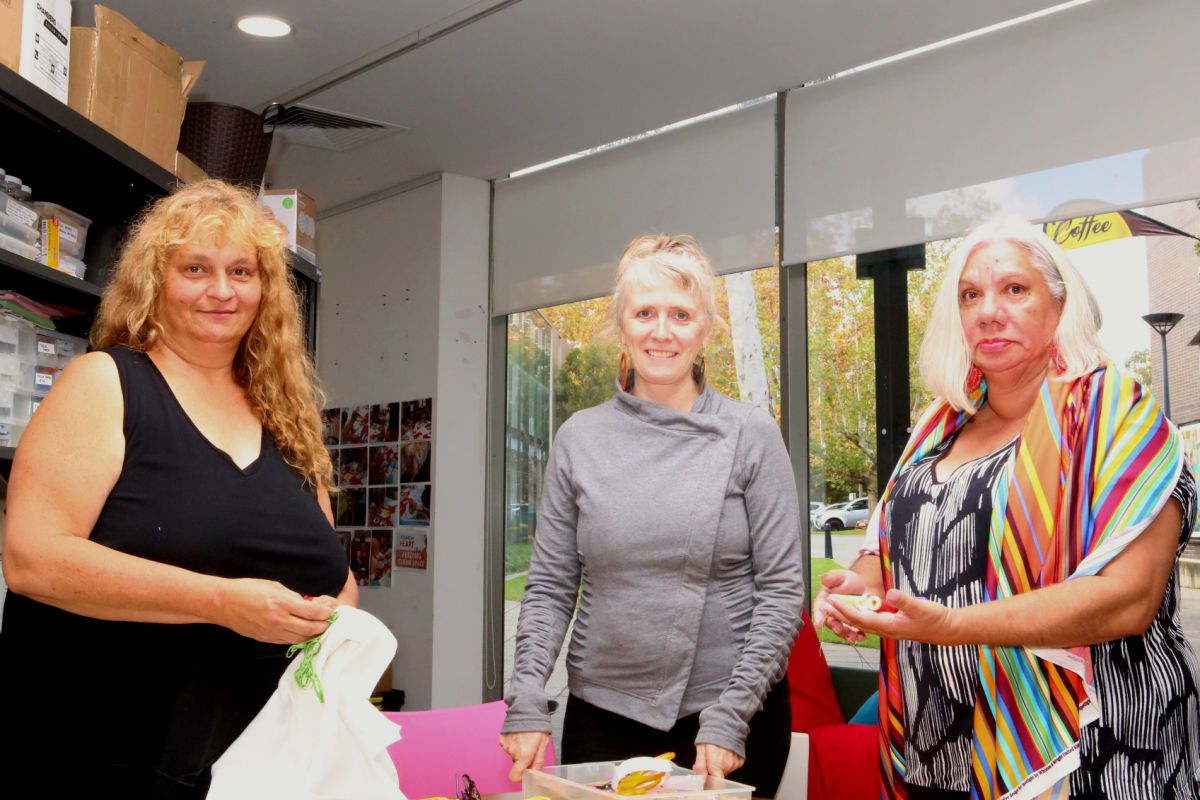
<point>974,378</point>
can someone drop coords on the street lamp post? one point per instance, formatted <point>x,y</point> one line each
<point>1162,323</point>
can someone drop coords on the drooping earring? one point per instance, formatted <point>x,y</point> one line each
<point>624,373</point>
<point>698,373</point>
<point>1056,359</point>
<point>974,378</point>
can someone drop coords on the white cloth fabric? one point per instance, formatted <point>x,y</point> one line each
<point>300,748</point>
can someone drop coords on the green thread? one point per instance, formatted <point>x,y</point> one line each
<point>305,674</point>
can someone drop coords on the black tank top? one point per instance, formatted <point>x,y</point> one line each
<point>151,706</point>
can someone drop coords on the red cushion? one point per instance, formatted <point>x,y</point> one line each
<point>813,702</point>
<point>843,762</point>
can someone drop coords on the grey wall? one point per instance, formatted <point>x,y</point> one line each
<point>402,316</point>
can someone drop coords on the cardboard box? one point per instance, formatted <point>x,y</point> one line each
<point>298,213</point>
<point>130,84</point>
<point>11,14</point>
<point>35,42</point>
<point>185,169</point>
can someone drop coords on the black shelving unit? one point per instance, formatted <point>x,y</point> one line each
<point>308,283</point>
<point>67,159</point>
<point>55,286</point>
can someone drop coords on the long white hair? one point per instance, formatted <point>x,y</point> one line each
<point>945,359</point>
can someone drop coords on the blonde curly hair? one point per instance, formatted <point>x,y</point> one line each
<point>271,364</point>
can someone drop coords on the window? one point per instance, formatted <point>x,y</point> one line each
<point>842,444</point>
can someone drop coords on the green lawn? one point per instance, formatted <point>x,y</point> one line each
<point>516,557</point>
<point>819,567</point>
<point>514,588</point>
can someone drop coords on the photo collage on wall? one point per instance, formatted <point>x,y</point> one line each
<point>381,460</point>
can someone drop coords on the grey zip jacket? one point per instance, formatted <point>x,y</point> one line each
<point>683,531</point>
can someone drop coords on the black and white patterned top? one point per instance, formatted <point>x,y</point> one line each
<point>938,541</point>
<point>1146,743</point>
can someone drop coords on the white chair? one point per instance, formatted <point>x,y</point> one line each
<point>794,783</point>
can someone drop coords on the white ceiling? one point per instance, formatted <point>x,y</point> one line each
<point>536,80</point>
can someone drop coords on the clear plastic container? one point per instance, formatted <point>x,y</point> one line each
<point>10,434</point>
<point>17,354</point>
<point>12,185</point>
<point>72,227</point>
<point>19,247</point>
<point>17,336</point>
<point>43,377</point>
<point>14,407</point>
<point>582,782</point>
<point>16,229</point>
<point>22,407</point>
<point>72,266</point>
<point>19,212</point>
<point>47,350</point>
<point>9,335</point>
<point>15,373</point>
<point>69,348</point>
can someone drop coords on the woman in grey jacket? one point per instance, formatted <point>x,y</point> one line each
<point>670,511</point>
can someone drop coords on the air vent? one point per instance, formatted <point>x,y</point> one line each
<point>329,130</point>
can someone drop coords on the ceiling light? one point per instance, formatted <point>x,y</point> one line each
<point>264,26</point>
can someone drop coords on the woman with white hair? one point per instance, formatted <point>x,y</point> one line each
<point>1024,549</point>
<point>670,512</point>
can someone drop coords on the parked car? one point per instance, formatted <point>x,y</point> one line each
<point>814,508</point>
<point>815,515</point>
<point>842,516</point>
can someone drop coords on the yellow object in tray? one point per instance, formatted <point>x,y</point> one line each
<point>636,777</point>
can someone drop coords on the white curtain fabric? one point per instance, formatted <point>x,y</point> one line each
<point>1089,109</point>
<point>557,234</point>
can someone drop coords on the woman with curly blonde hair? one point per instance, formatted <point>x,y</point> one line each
<point>169,529</point>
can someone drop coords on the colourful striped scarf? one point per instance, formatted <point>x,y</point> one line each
<point>1095,464</point>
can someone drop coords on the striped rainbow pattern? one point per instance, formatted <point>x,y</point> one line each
<point>1096,462</point>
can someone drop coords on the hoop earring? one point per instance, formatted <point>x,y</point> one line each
<point>974,378</point>
<point>698,373</point>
